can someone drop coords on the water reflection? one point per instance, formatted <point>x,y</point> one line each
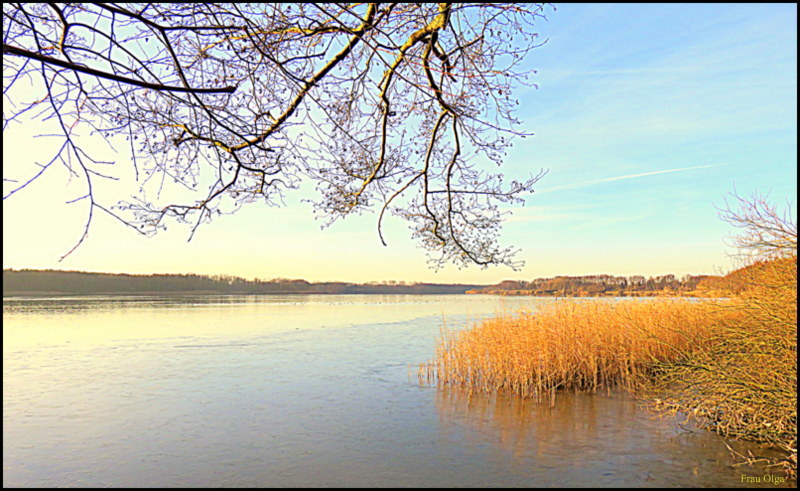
<point>522,426</point>
<point>604,439</point>
<point>104,320</point>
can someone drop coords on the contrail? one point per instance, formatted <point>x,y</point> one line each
<point>620,178</point>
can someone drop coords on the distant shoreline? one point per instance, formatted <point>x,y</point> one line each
<point>605,294</point>
<point>39,283</point>
<point>41,294</point>
<point>13,294</point>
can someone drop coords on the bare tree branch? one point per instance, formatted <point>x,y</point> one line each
<point>11,50</point>
<point>398,107</point>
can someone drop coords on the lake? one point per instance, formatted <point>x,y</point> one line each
<point>305,390</point>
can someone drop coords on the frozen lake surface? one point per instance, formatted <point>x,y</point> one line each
<point>292,390</point>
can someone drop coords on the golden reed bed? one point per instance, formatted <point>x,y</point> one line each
<point>571,344</point>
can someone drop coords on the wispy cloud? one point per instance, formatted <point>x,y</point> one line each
<point>546,213</point>
<point>621,178</point>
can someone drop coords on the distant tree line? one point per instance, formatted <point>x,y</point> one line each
<point>594,285</point>
<point>28,281</point>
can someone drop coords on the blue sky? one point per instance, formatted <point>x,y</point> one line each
<point>645,115</point>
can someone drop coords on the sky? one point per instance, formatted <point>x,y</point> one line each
<point>646,117</point>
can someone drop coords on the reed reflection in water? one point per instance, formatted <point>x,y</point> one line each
<point>604,439</point>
